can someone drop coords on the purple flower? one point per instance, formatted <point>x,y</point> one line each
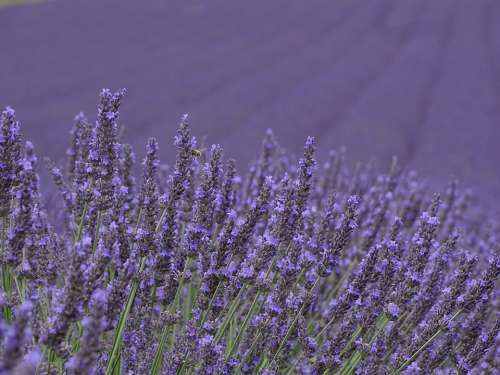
<point>393,310</point>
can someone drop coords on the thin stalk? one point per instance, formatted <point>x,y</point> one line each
<point>49,366</point>
<point>117,342</point>
<point>353,337</point>
<point>19,287</point>
<point>6,274</point>
<point>212,299</point>
<point>351,364</point>
<point>210,303</point>
<point>200,322</point>
<point>333,294</point>
<point>3,237</point>
<point>296,282</point>
<point>244,326</point>
<point>222,328</point>
<point>444,361</point>
<point>191,300</point>
<point>323,330</point>
<point>425,345</point>
<point>343,278</point>
<point>97,229</point>
<point>292,326</point>
<point>173,308</point>
<point>232,309</point>
<point>398,324</point>
<point>252,348</point>
<point>231,334</point>
<point>158,358</point>
<point>229,316</point>
<point>79,230</point>
<point>357,356</point>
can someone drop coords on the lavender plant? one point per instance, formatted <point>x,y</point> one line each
<point>295,267</point>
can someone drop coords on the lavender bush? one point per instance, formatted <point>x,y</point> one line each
<point>294,268</point>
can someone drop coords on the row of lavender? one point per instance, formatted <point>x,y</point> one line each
<point>293,269</point>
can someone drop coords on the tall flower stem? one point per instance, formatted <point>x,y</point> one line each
<point>291,327</point>
<point>424,345</point>
<point>158,358</point>
<point>117,341</point>
<point>118,338</point>
<point>244,326</point>
<point>6,272</point>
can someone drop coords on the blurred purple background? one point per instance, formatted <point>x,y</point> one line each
<point>419,79</point>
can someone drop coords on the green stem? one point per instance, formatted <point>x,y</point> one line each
<point>174,306</point>
<point>252,347</point>
<point>191,301</point>
<point>158,358</point>
<point>3,236</point>
<point>232,309</point>
<point>79,230</point>
<point>210,303</point>
<point>236,302</point>
<point>357,356</point>
<point>425,345</point>
<point>291,327</point>
<point>244,326</point>
<point>344,277</point>
<point>346,274</point>
<point>7,287</point>
<point>96,234</point>
<point>117,342</point>
<point>323,330</point>
<point>229,316</point>
<point>6,274</point>
<point>296,282</point>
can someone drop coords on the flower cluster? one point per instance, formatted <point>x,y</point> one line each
<point>295,267</point>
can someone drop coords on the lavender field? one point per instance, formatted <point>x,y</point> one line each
<point>129,244</point>
<point>416,79</point>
